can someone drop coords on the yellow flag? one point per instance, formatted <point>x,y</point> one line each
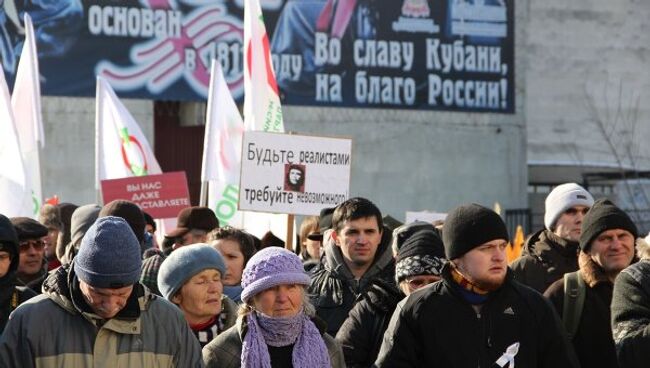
<point>513,250</point>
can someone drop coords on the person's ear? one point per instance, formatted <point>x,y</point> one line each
<point>336,238</point>
<point>176,299</point>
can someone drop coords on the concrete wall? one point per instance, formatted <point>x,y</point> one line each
<point>68,159</point>
<point>581,53</point>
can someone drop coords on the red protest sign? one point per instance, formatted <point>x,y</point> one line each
<point>161,196</point>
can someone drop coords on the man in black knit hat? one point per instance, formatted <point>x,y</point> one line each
<point>478,315</point>
<point>607,247</point>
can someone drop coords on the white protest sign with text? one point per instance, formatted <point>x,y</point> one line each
<point>294,174</point>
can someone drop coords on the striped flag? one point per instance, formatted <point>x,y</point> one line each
<point>262,110</point>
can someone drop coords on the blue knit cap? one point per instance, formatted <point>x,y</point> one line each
<point>109,256</point>
<point>271,267</point>
<point>184,263</point>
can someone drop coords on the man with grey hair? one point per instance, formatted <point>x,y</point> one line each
<point>550,253</point>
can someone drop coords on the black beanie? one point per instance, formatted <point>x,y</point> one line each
<point>603,216</point>
<point>422,253</point>
<point>470,225</point>
<point>130,212</point>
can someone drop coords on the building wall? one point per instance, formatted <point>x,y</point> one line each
<point>403,160</point>
<point>588,97</point>
<point>586,60</point>
<point>68,159</point>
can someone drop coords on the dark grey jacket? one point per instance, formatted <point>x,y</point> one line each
<point>631,315</point>
<point>52,330</point>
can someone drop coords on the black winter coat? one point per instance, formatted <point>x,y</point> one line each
<point>436,327</point>
<point>11,295</point>
<point>333,288</point>
<point>361,334</point>
<point>631,315</point>
<point>593,342</point>
<point>545,259</point>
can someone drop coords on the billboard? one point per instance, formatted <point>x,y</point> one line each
<point>453,55</point>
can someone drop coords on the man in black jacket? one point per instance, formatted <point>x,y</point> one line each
<point>550,253</point>
<point>356,254</point>
<point>11,296</point>
<point>32,268</point>
<point>607,244</point>
<point>477,315</point>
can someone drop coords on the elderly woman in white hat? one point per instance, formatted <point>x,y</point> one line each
<point>277,326</point>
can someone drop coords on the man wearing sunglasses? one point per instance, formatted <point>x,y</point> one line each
<point>550,253</point>
<point>32,268</point>
<point>11,296</point>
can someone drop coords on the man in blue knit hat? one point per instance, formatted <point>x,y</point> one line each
<point>94,312</point>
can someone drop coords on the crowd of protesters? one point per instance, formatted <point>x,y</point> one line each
<point>90,286</point>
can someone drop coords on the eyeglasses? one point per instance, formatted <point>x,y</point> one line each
<point>37,244</point>
<point>418,283</point>
<point>573,211</point>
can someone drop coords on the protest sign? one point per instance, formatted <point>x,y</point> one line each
<point>294,174</point>
<point>161,196</point>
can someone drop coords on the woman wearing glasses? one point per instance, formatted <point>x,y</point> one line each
<point>418,263</point>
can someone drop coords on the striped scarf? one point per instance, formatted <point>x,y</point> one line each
<point>470,292</point>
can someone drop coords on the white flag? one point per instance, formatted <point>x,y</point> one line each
<point>121,149</point>
<point>26,102</point>
<point>224,130</point>
<point>12,175</point>
<point>262,110</point>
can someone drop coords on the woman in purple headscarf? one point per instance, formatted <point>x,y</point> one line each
<point>277,326</point>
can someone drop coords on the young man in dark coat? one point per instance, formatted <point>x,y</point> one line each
<point>419,263</point>
<point>11,296</point>
<point>607,247</point>
<point>631,311</point>
<point>552,252</point>
<point>356,254</point>
<point>478,315</point>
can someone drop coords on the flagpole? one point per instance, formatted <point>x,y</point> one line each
<point>98,114</point>
<point>289,242</point>
<point>203,201</point>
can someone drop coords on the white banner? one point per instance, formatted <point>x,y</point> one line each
<point>12,175</point>
<point>26,102</point>
<point>121,149</point>
<point>426,216</point>
<point>294,174</point>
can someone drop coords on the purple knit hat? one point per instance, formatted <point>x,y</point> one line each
<point>271,267</point>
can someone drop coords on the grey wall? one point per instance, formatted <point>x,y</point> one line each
<point>581,51</point>
<point>68,159</point>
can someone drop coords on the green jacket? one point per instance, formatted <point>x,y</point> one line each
<point>51,330</point>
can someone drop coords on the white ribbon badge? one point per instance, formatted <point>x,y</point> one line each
<point>508,358</point>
